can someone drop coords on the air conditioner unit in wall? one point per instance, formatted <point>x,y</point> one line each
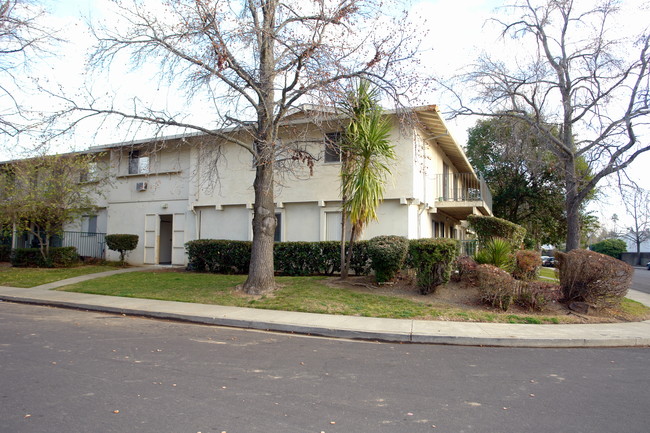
<point>141,186</point>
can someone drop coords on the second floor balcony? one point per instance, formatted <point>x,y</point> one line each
<point>462,194</point>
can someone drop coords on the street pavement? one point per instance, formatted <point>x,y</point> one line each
<point>391,330</point>
<point>641,280</point>
<point>78,372</point>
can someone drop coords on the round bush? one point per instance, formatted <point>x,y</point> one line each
<point>122,243</point>
<point>387,254</point>
<point>594,278</point>
<point>610,247</point>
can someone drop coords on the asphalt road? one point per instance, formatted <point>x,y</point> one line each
<point>641,280</point>
<point>73,371</point>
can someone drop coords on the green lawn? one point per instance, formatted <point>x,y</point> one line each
<point>31,277</point>
<point>548,273</point>
<point>305,294</point>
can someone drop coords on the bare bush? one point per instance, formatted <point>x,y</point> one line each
<point>464,270</point>
<point>527,264</point>
<point>496,287</point>
<point>594,278</point>
<point>535,295</point>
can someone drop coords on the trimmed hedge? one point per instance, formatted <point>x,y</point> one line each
<point>289,258</point>
<point>432,259</point>
<point>59,257</point>
<point>388,254</point>
<point>302,258</point>
<point>309,258</point>
<point>219,256</point>
<point>487,227</point>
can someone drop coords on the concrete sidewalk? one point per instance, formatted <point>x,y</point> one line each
<point>393,330</point>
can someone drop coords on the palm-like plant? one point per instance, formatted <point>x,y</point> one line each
<point>366,154</point>
<point>497,252</point>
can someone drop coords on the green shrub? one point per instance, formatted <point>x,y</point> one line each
<point>496,287</point>
<point>58,257</point>
<point>496,252</point>
<point>388,254</point>
<point>487,227</point>
<point>594,278</point>
<point>432,260</point>
<point>123,243</point>
<point>219,256</point>
<point>299,258</point>
<point>527,264</point>
<point>64,256</point>
<point>5,253</point>
<point>289,258</point>
<point>611,247</point>
<point>360,263</point>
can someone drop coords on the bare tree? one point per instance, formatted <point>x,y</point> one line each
<point>22,37</point>
<point>585,93</point>
<point>255,60</point>
<point>637,205</point>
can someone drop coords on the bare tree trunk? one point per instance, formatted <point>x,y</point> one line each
<point>344,264</point>
<point>261,273</point>
<point>572,207</point>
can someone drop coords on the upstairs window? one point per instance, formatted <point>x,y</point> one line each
<point>333,147</point>
<point>89,173</point>
<point>138,164</point>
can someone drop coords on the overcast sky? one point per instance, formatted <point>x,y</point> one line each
<point>457,34</point>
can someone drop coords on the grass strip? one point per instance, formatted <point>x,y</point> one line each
<point>303,294</point>
<point>32,277</point>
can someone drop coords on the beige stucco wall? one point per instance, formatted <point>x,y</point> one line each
<point>209,193</point>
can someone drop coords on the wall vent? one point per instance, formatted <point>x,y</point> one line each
<point>141,186</point>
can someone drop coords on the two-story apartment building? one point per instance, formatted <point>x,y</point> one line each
<point>173,190</point>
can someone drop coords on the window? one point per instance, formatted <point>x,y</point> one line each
<point>89,173</point>
<point>333,147</point>
<point>138,164</point>
<point>278,228</point>
<point>89,225</point>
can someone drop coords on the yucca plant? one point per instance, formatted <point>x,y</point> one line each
<point>497,252</point>
<point>367,154</point>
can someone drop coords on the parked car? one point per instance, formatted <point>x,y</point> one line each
<point>648,266</point>
<point>548,261</point>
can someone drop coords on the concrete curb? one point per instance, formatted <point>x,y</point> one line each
<point>636,334</point>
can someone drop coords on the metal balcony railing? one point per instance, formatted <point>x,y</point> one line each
<point>461,187</point>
